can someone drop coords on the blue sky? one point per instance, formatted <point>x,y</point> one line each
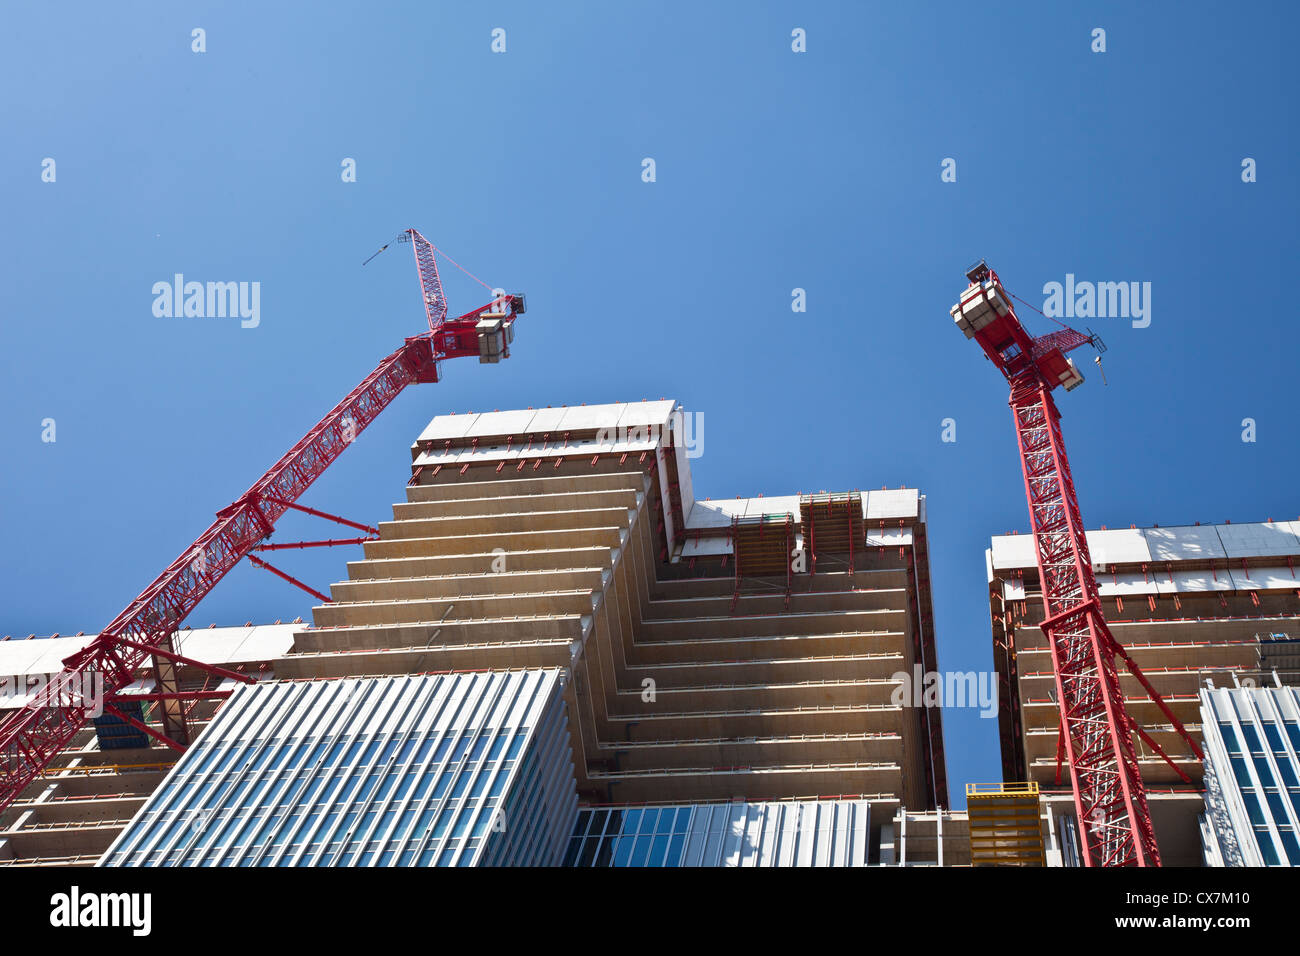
<point>775,170</point>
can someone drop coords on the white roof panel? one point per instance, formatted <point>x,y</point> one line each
<point>716,514</point>
<point>1118,546</point>
<point>1124,585</point>
<point>490,424</point>
<point>1014,551</point>
<point>51,662</point>
<point>446,427</point>
<point>38,655</point>
<point>1185,543</point>
<point>889,537</point>
<point>646,413</point>
<point>889,503</point>
<point>1193,581</point>
<point>1263,579</point>
<point>698,547</point>
<point>1258,540</point>
<point>774,505</point>
<point>584,417</point>
<point>546,420</point>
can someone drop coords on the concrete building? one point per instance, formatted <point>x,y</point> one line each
<point>742,649</point>
<point>1191,604</point>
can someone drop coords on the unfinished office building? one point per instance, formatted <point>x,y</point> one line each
<point>740,652</point>
<point>1193,605</point>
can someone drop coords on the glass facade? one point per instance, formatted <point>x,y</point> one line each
<point>1252,738</point>
<point>437,770</point>
<point>778,833</point>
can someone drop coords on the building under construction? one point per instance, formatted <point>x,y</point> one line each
<point>740,652</point>
<point>1195,606</point>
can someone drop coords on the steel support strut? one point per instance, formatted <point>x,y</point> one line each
<point>1110,801</point>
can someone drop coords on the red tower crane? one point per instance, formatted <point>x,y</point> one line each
<point>1096,732</point>
<point>33,735</point>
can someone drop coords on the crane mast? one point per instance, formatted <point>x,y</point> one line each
<point>1096,731</point>
<point>142,635</point>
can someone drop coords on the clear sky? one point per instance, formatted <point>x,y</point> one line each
<point>775,170</point>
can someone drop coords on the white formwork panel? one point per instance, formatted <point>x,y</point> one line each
<point>639,414</point>
<point>1258,540</point>
<point>685,484</point>
<point>585,417</point>
<point>483,453</point>
<point>547,420</point>
<point>890,503</point>
<point>16,657</point>
<point>889,538</point>
<point>1184,543</point>
<point>448,427</point>
<point>1193,582</point>
<point>1263,579</point>
<point>492,424</point>
<point>1014,551</point>
<point>53,650</point>
<point>776,505</point>
<point>437,457</point>
<point>1128,584</point>
<point>634,447</point>
<point>1118,546</point>
<point>1013,589</point>
<point>211,645</point>
<point>266,642</point>
<point>706,547</point>
<point>716,514</point>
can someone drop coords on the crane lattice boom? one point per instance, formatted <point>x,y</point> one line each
<point>1097,733</point>
<point>33,735</point>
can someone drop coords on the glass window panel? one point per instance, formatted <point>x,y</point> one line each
<point>575,844</point>
<point>481,782</point>
<point>640,851</point>
<point>1240,772</point>
<point>1287,772</point>
<point>675,849</point>
<point>1253,807</point>
<point>589,849</point>
<point>1274,737</point>
<point>462,782</point>
<point>1265,775</point>
<point>1251,738</point>
<point>1291,846</point>
<point>1277,806</point>
<point>1229,737</point>
<point>658,849</point>
<point>623,851</point>
<point>1293,731</point>
<point>1266,847</point>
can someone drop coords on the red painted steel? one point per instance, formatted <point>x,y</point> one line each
<point>32,736</point>
<point>1097,739</point>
